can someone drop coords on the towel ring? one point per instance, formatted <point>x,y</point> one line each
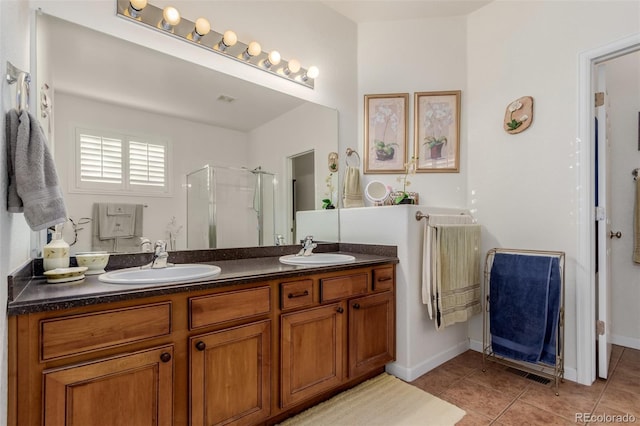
<point>349,152</point>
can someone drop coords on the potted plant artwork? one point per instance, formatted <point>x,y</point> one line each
<point>385,132</point>
<point>438,116</point>
<point>385,151</point>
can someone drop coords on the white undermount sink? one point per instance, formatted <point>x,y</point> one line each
<point>317,259</point>
<point>175,273</point>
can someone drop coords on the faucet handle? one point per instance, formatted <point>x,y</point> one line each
<point>160,246</point>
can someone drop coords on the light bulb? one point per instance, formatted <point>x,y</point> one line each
<point>312,72</point>
<point>292,67</point>
<point>202,26</point>
<point>272,59</point>
<point>253,49</point>
<point>170,17</point>
<point>229,38</point>
<point>136,6</point>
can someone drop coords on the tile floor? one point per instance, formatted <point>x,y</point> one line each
<point>500,397</point>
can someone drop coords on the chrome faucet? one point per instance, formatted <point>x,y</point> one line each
<point>160,256</point>
<point>307,246</point>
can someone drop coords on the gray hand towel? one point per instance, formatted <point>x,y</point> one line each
<point>33,187</point>
<point>12,122</point>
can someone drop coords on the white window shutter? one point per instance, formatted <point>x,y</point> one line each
<point>100,159</point>
<point>147,164</point>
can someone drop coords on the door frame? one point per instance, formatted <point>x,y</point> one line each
<point>585,259</point>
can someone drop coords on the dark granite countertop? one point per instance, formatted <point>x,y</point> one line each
<point>29,291</point>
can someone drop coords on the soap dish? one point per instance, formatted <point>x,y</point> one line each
<point>64,275</point>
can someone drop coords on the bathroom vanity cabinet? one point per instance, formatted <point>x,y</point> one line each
<point>243,353</point>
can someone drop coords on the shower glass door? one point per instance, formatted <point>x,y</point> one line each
<point>230,207</point>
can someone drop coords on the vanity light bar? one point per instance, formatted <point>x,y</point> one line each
<point>146,14</point>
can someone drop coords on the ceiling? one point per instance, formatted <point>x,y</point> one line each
<point>362,11</point>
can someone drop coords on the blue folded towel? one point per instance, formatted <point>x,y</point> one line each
<point>548,355</point>
<point>524,306</point>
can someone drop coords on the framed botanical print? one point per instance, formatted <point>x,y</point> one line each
<point>437,131</point>
<point>385,133</point>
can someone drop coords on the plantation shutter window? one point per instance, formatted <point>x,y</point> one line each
<point>111,163</point>
<point>100,159</point>
<point>146,164</point>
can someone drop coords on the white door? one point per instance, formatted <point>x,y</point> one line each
<point>604,228</point>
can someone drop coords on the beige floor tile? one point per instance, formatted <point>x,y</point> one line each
<point>622,400</point>
<point>472,396</point>
<point>462,365</point>
<point>523,414</point>
<point>573,398</point>
<point>500,379</point>
<point>606,415</point>
<point>623,380</point>
<point>436,381</point>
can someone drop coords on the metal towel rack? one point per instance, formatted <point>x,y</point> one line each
<point>554,372</point>
<point>420,215</point>
<point>22,79</point>
<point>349,153</point>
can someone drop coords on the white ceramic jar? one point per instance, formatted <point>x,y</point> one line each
<point>56,253</point>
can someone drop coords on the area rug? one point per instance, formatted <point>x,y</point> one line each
<point>385,401</point>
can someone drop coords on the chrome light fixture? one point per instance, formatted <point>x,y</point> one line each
<point>168,21</point>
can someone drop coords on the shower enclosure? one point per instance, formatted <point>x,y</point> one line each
<point>230,207</point>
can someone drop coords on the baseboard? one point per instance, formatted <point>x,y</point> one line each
<point>570,374</point>
<point>627,342</point>
<point>409,374</point>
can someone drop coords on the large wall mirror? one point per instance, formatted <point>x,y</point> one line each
<point>151,146</point>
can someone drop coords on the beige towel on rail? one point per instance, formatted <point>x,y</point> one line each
<point>457,257</point>
<point>120,244</point>
<point>636,225</point>
<point>352,191</point>
<point>428,249</point>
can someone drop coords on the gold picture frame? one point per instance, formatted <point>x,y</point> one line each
<point>385,132</point>
<point>437,131</point>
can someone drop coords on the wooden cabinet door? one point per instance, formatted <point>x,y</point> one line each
<point>371,332</point>
<point>311,351</point>
<point>133,389</point>
<point>230,375</point>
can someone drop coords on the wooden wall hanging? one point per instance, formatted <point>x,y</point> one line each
<point>519,115</point>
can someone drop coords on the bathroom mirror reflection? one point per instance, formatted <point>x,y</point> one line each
<point>203,158</point>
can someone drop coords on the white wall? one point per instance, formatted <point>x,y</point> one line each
<point>425,55</point>
<point>14,232</point>
<point>193,145</point>
<point>305,128</point>
<point>523,188</point>
<point>623,87</point>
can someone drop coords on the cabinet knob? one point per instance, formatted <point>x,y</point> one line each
<point>165,357</point>
<point>356,306</point>
<point>201,346</point>
<point>339,310</point>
